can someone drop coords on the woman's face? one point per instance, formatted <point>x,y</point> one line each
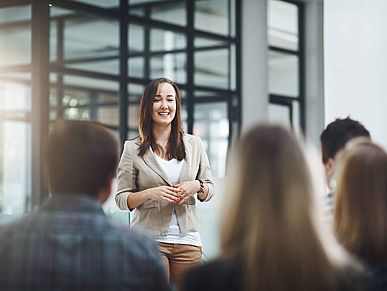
<point>164,105</point>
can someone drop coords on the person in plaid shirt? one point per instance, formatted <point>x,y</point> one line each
<point>69,243</point>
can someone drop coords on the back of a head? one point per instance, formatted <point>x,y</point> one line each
<point>269,222</point>
<point>361,201</point>
<point>337,134</point>
<point>81,157</point>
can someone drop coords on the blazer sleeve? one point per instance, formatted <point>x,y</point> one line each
<point>205,173</point>
<point>126,178</point>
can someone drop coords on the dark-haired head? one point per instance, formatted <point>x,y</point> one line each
<point>175,147</point>
<point>81,158</point>
<point>337,134</point>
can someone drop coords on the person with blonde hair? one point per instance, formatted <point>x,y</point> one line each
<point>360,219</point>
<point>268,237</point>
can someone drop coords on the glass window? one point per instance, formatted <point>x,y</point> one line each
<point>213,16</point>
<point>15,147</point>
<point>169,65</point>
<point>282,25</point>
<point>135,92</point>
<point>283,74</point>
<point>15,14</point>
<point>90,38</point>
<point>102,3</point>
<point>165,40</point>
<point>211,68</point>
<point>15,36</point>
<point>174,13</point>
<point>102,66</point>
<point>90,83</point>
<point>212,125</point>
<point>201,42</point>
<point>280,114</point>
<point>136,38</point>
<point>136,67</point>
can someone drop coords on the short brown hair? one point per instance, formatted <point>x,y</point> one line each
<point>81,156</point>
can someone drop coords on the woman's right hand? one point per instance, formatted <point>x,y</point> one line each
<point>167,193</point>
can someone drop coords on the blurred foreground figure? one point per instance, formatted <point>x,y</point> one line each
<point>361,207</point>
<point>269,240</point>
<point>69,244</point>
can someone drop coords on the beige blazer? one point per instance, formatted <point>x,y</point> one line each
<point>136,174</point>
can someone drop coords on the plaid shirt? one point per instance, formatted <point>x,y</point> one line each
<point>69,244</point>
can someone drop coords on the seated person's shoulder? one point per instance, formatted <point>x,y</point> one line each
<point>215,275</point>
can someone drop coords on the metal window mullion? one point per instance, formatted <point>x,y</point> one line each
<point>301,64</point>
<point>190,64</point>
<point>123,78</point>
<point>40,97</point>
<point>59,61</point>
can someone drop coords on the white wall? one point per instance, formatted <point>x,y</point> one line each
<point>355,62</point>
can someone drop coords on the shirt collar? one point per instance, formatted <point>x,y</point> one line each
<point>72,203</point>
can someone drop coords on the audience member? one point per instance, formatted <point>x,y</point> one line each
<point>269,240</point>
<point>69,243</point>
<point>360,219</point>
<point>333,139</point>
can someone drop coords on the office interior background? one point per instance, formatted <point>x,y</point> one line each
<point>302,63</point>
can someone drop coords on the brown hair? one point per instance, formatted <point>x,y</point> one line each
<point>81,156</point>
<point>175,148</point>
<point>269,221</point>
<point>361,201</point>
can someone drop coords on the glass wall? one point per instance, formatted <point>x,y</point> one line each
<point>285,63</point>
<point>101,56</point>
<point>15,109</point>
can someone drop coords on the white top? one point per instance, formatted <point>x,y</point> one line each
<point>173,169</point>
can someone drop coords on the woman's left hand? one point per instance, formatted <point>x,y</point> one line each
<point>187,189</point>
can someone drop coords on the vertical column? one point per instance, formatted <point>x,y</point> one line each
<point>40,96</point>
<point>123,102</point>
<point>314,70</point>
<point>254,61</point>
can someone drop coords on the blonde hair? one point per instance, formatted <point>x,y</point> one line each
<point>361,201</point>
<point>269,222</point>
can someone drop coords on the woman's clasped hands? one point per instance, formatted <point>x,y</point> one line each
<point>176,194</point>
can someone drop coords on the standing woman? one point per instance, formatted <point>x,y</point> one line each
<point>158,175</point>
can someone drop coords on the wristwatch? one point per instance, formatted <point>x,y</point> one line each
<point>201,190</point>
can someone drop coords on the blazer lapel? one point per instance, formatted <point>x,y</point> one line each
<point>150,159</point>
<point>186,169</point>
